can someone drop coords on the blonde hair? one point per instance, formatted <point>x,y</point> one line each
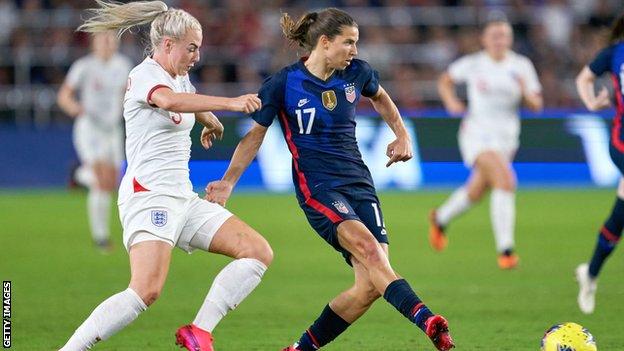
<point>121,17</point>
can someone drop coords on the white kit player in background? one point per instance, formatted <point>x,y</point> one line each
<point>157,206</point>
<point>498,81</point>
<point>93,94</point>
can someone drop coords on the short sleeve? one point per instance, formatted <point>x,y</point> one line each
<point>144,82</point>
<point>460,69</point>
<point>530,77</point>
<point>602,61</point>
<point>271,95</point>
<point>371,80</point>
<point>75,75</point>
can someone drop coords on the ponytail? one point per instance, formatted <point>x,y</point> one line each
<point>309,28</point>
<point>121,17</point>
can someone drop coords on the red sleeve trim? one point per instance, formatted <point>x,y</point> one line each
<point>149,94</point>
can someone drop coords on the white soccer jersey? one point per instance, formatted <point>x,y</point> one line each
<point>100,87</point>
<point>494,93</point>
<point>158,142</point>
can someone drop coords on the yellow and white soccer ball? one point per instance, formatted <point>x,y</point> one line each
<point>568,337</point>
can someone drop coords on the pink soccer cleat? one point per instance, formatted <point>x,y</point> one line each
<point>436,328</point>
<point>193,338</point>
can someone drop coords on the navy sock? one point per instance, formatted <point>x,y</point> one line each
<point>404,299</point>
<point>608,237</point>
<point>325,329</point>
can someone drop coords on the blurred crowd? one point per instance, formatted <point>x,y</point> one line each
<point>409,41</point>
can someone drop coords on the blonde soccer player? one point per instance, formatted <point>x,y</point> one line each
<point>157,206</point>
<point>498,82</point>
<point>92,94</point>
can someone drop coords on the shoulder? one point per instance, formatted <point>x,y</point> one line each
<point>358,65</point>
<point>123,60</point>
<point>82,62</point>
<point>278,79</point>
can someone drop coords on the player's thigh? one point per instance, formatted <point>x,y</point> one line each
<point>496,168</point>
<point>210,227</point>
<point>368,209</point>
<point>149,266</point>
<point>355,237</point>
<point>237,239</point>
<point>620,189</point>
<point>106,174</point>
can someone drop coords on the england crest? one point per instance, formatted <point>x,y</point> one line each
<point>329,99</point>
<point>340,207</point>
<point>159,218</point>
<point>350,92</point>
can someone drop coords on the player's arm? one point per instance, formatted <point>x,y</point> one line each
<point>169,100</point>
<point>446,89</point>
<point>585,87</point>
<point>401,148</point>
<point>66,99</point>
<point>533,101</point>
<point>213,129</point>
<point>246,150</point>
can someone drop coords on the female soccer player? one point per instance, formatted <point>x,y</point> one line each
<point>498,80</point>
<point>157,206</point>
<point>315,101</point>
<point>610,59</point>
<point>93,94</point>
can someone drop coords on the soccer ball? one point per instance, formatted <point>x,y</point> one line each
<point>568,337</point>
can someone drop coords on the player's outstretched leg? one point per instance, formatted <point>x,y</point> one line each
<point>149,264</point>
<point>359,241</point>
<point>252,255</point>
<point>608,237</point>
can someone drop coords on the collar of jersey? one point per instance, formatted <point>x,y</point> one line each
<point>307,72</point>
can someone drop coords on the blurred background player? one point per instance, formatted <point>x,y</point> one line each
<point>498,80</point>
<point>92,93</point>
<point>610,59</point>
<point>157,206</point>
<point>315,100</point>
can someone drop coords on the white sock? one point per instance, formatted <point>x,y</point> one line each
<point>108,318</point>
<point>84,176</point>
<point>455,205</point>
<point>230,287</point>
<point>503,216</point>
<point>98,207</point>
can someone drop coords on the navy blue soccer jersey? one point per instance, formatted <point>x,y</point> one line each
<point>611,59</point>
<point>318,121</point>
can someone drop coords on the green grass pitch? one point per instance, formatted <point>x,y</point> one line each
<point>58,278</point>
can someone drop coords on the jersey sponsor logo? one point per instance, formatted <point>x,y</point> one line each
<point>175,117</point>
<point>384,232</point>
<point>329,99</point>
<point>350,92</point>
<point>340,206</point>
<point>159,218</point>
<point>302,102</point>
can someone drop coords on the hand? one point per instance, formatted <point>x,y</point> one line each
<point>208,134</point>
<point>455,107</point>
<point>218,191</point>
<point>245,103</point>
<point>399,150</point>
<point>602,100</point>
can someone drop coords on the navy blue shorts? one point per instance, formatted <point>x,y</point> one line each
<point>330,207</point>
<point>617,157</point>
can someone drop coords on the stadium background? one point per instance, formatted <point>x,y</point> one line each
<point>562,159</point>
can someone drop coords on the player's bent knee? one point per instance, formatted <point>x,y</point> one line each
<point>149,295</point>
<point>257,248</point>
<point>371,253</point>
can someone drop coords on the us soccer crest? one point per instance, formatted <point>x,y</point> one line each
<point>350,92</point>
<point>329,99</point>
<point>159,218</point>
<point>340,207</point>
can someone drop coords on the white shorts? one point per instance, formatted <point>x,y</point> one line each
<point>473,142</point>
<point>148,216</point>
<point>94,143</point>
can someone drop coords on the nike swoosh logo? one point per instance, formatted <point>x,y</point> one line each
<point>302,102</point>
